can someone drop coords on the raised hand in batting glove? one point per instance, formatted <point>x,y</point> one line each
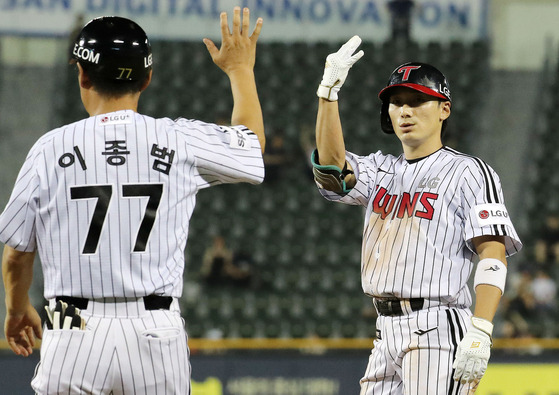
<point>337,67</point>
<point>64,316</point>
<point>473,352</point>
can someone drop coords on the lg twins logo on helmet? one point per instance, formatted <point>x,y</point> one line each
<point>444,90</point>
<point>86,54</point>
<point>148,61</point>
<point>406,70</point>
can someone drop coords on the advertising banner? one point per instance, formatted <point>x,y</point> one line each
<point>284,20</point>
<point>267,372</point>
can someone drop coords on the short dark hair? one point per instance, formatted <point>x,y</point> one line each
<point>111,88</point>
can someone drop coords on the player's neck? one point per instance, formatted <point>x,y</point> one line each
<point>111,106</point>
<point>97,105</point>
<point>421,151</point>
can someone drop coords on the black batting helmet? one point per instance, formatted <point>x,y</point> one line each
<point>114,48</point>
<point>418,76</point>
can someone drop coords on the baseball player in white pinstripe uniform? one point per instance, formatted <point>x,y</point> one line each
<point>429,211</point>
<point>106,202</point>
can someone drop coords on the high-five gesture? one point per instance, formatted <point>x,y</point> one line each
<point>336,69</point>
<point>238,48</point>
<point>236,58</point>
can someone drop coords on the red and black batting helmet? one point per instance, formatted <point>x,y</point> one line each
<point>114,48</point>
<point>421,77</point>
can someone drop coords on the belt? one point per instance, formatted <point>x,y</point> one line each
<point>397,307</point>
<point>151,302</point>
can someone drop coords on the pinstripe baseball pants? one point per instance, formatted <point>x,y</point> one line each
<point>125,349</point>
<point>415,353</point>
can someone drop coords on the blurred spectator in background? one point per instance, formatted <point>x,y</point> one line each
<point>519,308</point>
<point>275,157</point>
<point>400,13</point>
<point>546,247</point>
<point>218,267</point>
<point>544,291</point>
<point>244,262</point>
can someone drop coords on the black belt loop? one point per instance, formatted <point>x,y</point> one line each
<point>393,306</point>
<point>417,304</point>
<point>155,302</point>
<point>80,303</point>
<point>151,302</point>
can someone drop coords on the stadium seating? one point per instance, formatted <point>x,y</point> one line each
<point>544,178</point>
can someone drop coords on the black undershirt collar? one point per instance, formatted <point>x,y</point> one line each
<point>412,161</point>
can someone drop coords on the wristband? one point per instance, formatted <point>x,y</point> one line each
<point>492,272</point>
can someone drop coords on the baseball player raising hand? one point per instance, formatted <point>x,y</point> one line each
<point>429,211</point>
<point>106,203</point>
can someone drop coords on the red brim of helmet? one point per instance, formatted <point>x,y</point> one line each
<point>417,87</point>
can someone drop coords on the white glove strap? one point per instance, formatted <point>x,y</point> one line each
<point>482,325</point>
<point>329,93</point>
<point>492,272</point>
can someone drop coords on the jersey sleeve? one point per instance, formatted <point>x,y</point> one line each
<point>365,170</point>
<point>484,208</point>
<point>224,154</point>
<point>17,221</point>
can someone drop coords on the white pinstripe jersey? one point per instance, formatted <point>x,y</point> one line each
<point>421,217</point>
<point>107,201</point>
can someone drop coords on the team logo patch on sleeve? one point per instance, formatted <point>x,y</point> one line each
<point>239,138</point>
<point>492,214</point>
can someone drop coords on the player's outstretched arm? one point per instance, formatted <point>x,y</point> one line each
<point>236,57</point>
<point>329,136</point>
<point>23,324</point>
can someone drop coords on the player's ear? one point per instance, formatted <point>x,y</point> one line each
<point>445,110</point>
<point>83,78</point>
<point>147,81</point>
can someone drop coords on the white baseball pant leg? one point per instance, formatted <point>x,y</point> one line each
<point>415,354</point>
<point>124,350</point>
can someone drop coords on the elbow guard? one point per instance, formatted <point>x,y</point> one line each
<point>330,177</point>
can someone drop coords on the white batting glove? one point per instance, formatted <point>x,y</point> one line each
<point>337,67</point>
<point>473,352</point>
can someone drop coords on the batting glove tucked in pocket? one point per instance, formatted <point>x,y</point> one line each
<point>64,316</point>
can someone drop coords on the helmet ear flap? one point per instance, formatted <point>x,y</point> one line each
<point>385,121</point>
